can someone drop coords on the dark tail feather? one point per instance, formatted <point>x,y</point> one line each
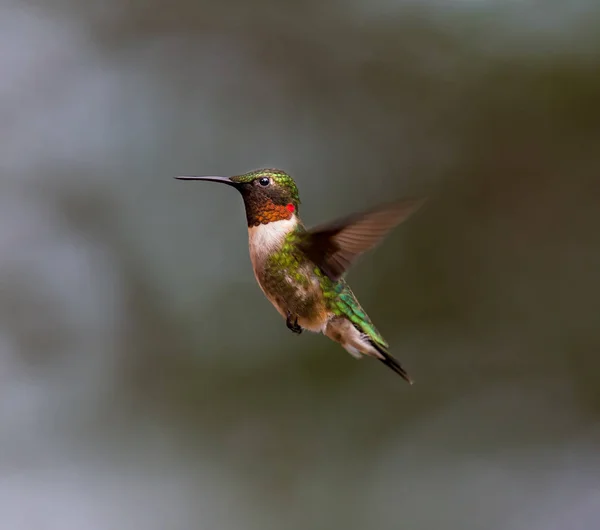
<point>393,364</point>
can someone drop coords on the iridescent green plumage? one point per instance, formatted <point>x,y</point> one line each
<point>290,268</point>
<point>278,176</point>
<point>302,271</point>
<point>346,304</point>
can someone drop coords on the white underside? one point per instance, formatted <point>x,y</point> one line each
<point>263,241</point>
<point>353,341</point>
<point>353,351</point>
<point>266,239</point>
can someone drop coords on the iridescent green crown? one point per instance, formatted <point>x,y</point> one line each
<point>279,176</point>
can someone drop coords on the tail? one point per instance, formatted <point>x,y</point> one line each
<point>351,316</point>
<point>391,362</point>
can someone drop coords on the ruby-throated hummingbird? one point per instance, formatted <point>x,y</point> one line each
<point>301,271</point>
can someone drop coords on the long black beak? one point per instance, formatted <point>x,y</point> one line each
<point>222,180</point>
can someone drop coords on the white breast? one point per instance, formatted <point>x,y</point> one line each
<point>269,238</point>
<point>266,239</point>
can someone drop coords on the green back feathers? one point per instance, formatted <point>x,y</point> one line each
<point>349,306</point>
<point>287,258</point>
<point>339,297</point>
<point>342,302</point>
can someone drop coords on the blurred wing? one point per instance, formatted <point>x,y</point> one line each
<point>334,246</point>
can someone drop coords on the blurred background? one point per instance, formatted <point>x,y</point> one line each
<point>145,382</point>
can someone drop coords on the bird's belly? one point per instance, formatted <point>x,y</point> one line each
<point>302,299</point>
<point>318,323</point>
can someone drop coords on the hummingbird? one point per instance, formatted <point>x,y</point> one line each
<point>302,271</point>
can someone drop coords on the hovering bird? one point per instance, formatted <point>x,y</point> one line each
<point>301,271</point>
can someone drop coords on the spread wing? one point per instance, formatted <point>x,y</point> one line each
<point>334,246</point>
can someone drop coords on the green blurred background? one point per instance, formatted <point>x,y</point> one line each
<point>145,382</point>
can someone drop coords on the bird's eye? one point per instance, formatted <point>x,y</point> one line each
<point>264,181</point>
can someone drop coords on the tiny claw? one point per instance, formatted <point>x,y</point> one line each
<point>293,324</point>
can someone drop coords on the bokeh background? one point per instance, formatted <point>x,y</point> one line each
<point>145,382</point>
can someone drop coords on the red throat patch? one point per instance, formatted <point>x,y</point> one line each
<point>271,212</point>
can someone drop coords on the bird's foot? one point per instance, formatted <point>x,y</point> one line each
<point>292,324</point>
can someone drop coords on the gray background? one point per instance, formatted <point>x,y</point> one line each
<point>145,382</point>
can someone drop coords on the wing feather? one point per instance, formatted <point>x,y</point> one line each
<point>334,246</point>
